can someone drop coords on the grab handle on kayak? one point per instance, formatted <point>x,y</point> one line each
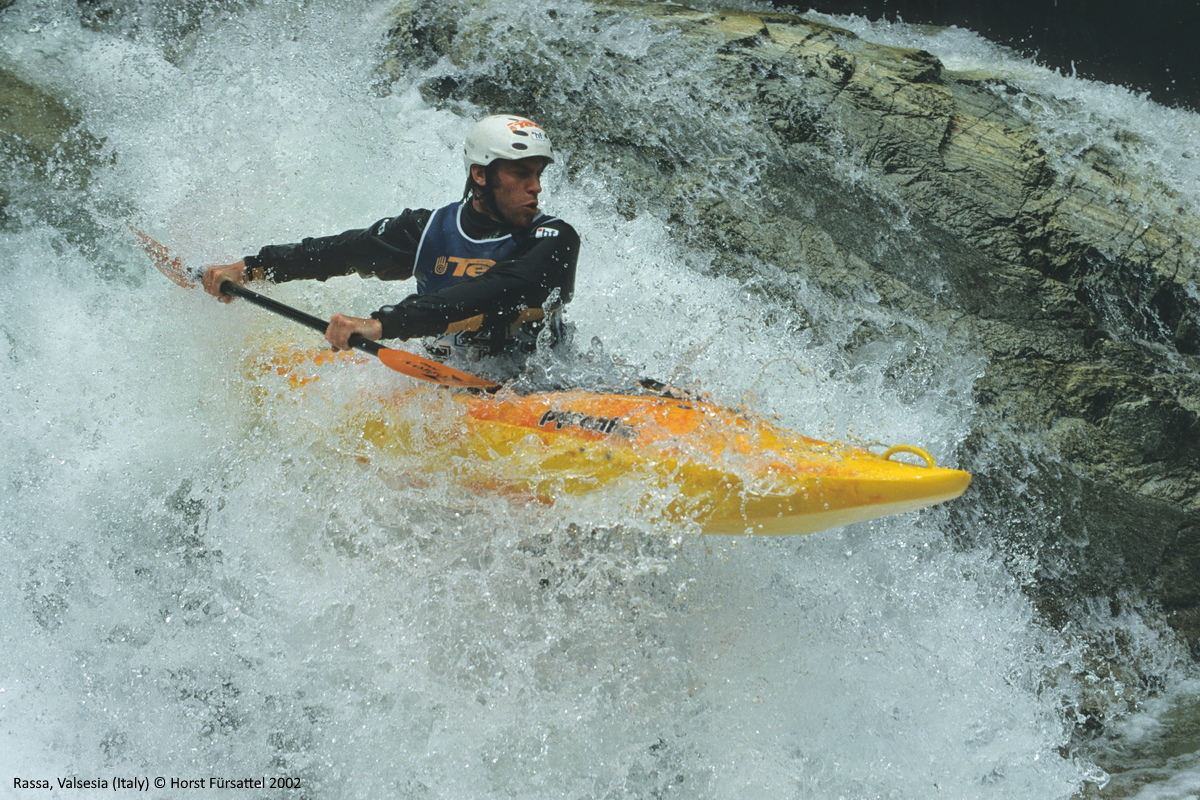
<point>908,448</point>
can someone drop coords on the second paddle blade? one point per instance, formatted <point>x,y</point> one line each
<point>424,368</point>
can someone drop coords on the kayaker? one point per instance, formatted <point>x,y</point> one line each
<point>492,270</point>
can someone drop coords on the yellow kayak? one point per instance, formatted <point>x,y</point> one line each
<point>723,469</point>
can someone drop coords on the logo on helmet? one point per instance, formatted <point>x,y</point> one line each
<point>517,124</point>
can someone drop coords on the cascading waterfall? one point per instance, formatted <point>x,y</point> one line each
<point>198,584</point>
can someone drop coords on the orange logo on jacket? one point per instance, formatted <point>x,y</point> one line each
<point>462,267</point>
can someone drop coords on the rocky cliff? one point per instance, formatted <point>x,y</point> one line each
<point>1070,270</point>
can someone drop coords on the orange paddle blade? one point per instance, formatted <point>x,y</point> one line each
<point>426,369</point>
<point>167,264</point>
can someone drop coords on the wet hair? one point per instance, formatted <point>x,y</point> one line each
<point>489,177</point>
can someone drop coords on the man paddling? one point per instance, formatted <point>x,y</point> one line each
<point>492,270</point>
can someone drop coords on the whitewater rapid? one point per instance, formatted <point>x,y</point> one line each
<point>199,582</point>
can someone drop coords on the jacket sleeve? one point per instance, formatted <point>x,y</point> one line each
<point>385,250</point>
<point>544,263</point>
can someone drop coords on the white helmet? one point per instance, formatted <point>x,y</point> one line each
<point>507,137</point>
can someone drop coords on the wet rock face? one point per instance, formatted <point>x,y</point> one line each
<point>41,141</point>
<point>780,140</point>
<point>33,128</point>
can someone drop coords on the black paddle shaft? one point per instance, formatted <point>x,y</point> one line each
<point>316,323</point>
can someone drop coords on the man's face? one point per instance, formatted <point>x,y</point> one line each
<point>515,188</point>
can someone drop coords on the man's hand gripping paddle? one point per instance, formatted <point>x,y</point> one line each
<point>405,363</point>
